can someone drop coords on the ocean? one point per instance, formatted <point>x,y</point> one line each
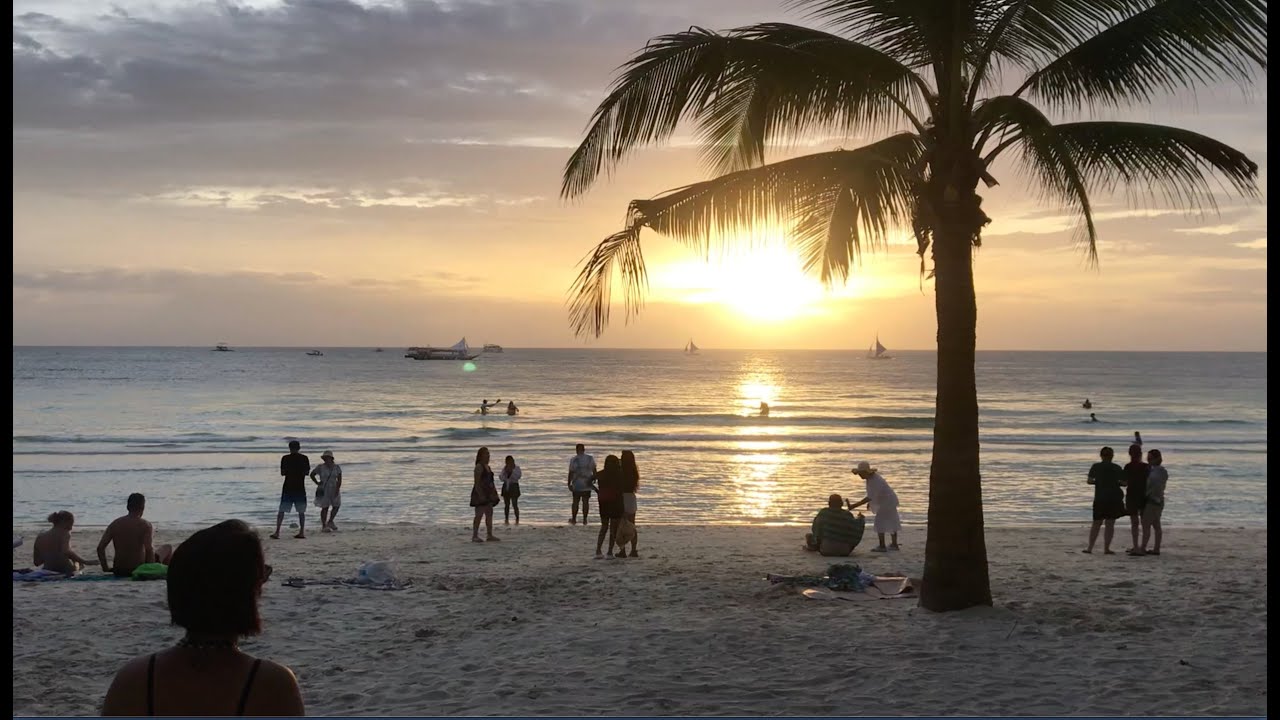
<point>200,432</point>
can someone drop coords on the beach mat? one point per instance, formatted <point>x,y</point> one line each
<point>300,582</point>
<point>45,576</point>
<point>885,588</point>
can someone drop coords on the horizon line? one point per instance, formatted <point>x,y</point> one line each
<point>651,348</point>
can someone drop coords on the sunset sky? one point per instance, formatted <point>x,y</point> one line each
<point>326,173</point>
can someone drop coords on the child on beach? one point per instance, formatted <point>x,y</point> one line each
<point>510,489</point>
<point>1106,478</point>
<point>881,500</point>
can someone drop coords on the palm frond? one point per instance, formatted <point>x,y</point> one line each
<point>1169,46</point>
<point>1046,158</point>
<point>1180,167</point>
<point>743,87</point>
<point>916,32</point>
<point>788,81</point>
<point>833,202</point>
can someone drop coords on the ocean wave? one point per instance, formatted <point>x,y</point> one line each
<point>778,419</point>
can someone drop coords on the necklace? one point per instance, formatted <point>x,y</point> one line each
<point>187,642</point>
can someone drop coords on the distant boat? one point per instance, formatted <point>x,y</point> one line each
<point>492,348</point>
<point>315,353</point>
<point>690,349</point>
<point>222,347</point>
<point>458,351</point>
<point>378,350</point>
<point>877,351</point>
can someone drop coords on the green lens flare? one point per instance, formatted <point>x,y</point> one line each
<point>468,367</point>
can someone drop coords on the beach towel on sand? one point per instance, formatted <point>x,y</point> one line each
<point>297,582</point>
<point>843,577</point>
<point>884,588</point>
<point>41,575</point>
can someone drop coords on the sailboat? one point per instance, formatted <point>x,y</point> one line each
<point>877,351</point>
<point>690,349</point>
<point>459,351</point>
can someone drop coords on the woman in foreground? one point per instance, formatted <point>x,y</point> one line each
<point>214,582</point>
<point>484,497</point>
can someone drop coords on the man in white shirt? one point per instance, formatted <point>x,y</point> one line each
<point>582,469</point>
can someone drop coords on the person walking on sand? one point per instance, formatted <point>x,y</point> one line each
<point>608,486</point>
<point>132,537</point>
<point>1135,477</point>
<point>1157,479</point>
<point>52,548</point>
<point>1106,478</point>
<point>328,479</point>
<point>484,496</point>
<point>883,502</point>
<point>582,468</point>
<point>630,486</point>
<point>293,494</point>
<point>510,476</point>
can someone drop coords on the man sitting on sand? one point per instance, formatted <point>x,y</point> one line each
<point>52,548</point>
<point>836,532</point>
<point>131,536</point>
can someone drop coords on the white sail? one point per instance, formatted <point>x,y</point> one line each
<point>461,346</point>
<point>879,348</point>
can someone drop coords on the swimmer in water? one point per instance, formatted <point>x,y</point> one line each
<point>513,410</point>
<point>1093,418</point>
<point>485,405</point>
<point>1137,439</point>
<point>1087,405</point>
<point>764,409</point>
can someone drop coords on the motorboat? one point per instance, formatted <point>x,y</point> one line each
<point>315,353</point>
<point>222,347</point>
<point>492,348</point>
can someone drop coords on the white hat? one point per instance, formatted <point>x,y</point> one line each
<point>326,454</point>
<point>864,468</point>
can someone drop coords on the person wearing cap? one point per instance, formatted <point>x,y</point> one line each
<point>328,479</point>
<point>836,532</point>
<point>881,500</point>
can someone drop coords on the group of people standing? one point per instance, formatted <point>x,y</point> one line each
<point>1143,502</point>
<point>615,488</point>
<point>327,477</point>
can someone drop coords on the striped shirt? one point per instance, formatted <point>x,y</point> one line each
<point>838,526</point>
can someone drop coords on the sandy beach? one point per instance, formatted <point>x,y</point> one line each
<point>534,625</point>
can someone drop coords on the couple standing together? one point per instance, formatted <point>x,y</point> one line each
<point>327,476</point>
<point>615,487</point>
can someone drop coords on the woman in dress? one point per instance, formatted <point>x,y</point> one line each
<point>510,490</point>
<point>607,484</point>
<point>881,500</point>
<point>484,496</point>
<point>630,485</point>
<point>214,582</point>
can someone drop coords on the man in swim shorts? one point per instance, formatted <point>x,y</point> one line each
<point>131,536</point>
<point>293,494</point>
<point>582,469</point>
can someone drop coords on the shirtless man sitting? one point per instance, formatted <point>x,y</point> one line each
<point>131,536</point>
<point>52,548</point>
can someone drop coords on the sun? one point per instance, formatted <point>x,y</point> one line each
<point>764,284</point>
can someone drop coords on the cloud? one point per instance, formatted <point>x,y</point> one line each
<point>1259,244</point>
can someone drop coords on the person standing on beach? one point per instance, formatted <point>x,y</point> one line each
<point>510,489</point>
<point>484,497</point>
<point>608,486</point>
<point>881,500</point>
<point>131,536</point>
<point>630,485</point>
<point>328,479</point>
<point>1135,476</point>
<point>1157,479</point>
<point>582,468</point>
<point>293,495</point>
<point>1106,478</point>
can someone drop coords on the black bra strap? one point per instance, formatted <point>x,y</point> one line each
<point>248,685</point>
<point>151,686</point>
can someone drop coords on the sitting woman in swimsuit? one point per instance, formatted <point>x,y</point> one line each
<point>52,548</point>
<point>214,582</point>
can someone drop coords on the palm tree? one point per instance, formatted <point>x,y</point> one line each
<point>932,70</point>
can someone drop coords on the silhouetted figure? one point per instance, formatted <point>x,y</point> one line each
<point>485,405</point>
<point>1135,475</point>
<point>1137,439</point>
<point>1093,418</point>
<point>1107,479</point>
<point>764,409</point>
<point>512,409</point>
<point>1087,404</point>
<point>294,467</point>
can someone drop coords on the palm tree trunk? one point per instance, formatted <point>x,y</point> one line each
<point>955,565</point>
